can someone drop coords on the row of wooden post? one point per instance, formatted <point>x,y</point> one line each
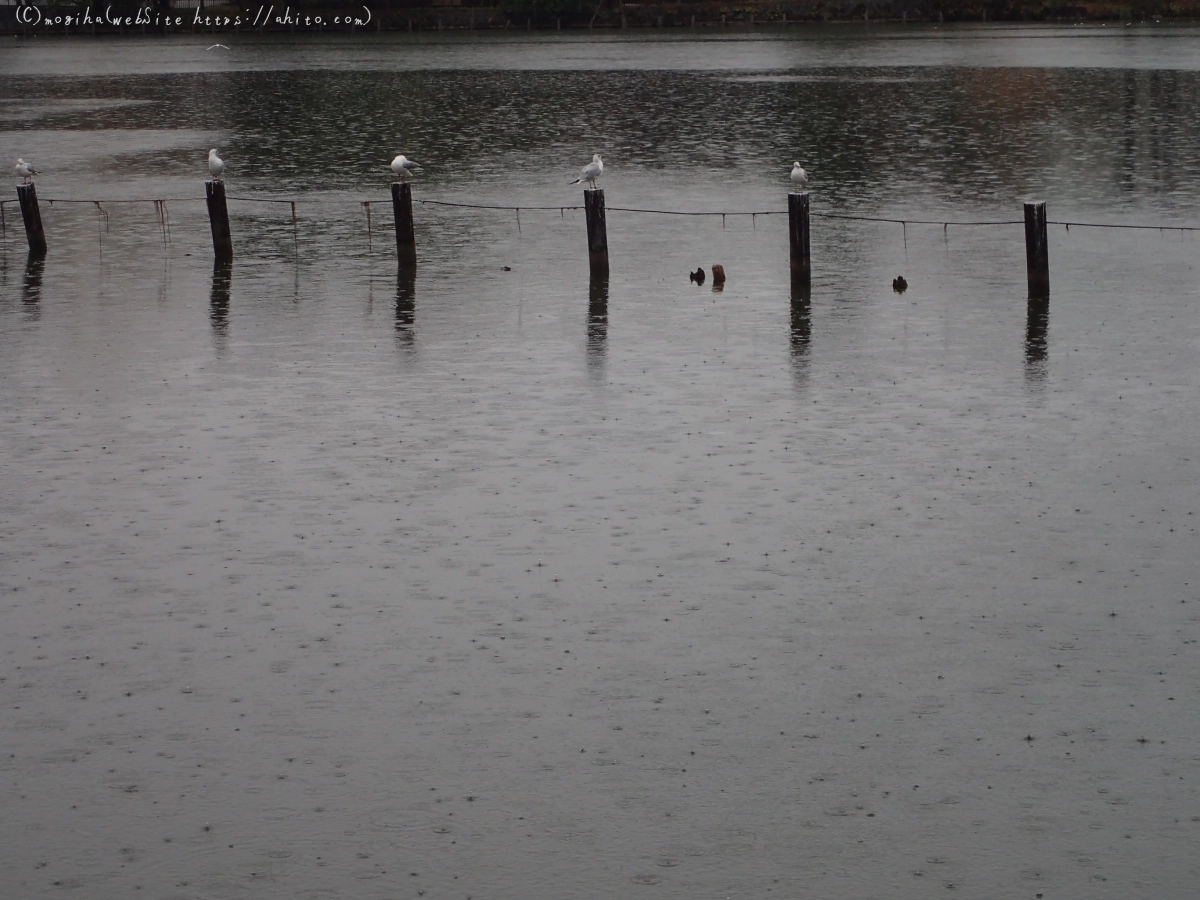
<point>1037,257</point>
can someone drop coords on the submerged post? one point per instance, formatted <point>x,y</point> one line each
<point>27,194</point>
<point>1037,249</point>
<point>597,233</point>
<point>798,234</point>
<point>406,236</point>
<point>218,219</point>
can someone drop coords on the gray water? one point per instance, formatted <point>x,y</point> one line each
<point>322,580</point>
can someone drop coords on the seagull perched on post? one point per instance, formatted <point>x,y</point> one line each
<point>402,166</point>
<point>25,170</point>
<point>216,165</point>
<point>591,172</point>
<point>799,177</point>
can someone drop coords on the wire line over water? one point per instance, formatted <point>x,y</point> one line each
<point>723,214</point>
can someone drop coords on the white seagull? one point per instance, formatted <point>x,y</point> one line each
<point>25,170</point>
<point>216,165</point>
<point>402,166</point>
<point>799,177</point>
<point>215,46</point>
<point>591,171</point>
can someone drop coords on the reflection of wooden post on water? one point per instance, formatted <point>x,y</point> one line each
<point>597,321</point>
<point>1037,249</point>
<point>218,219</point>
<point>801,332</point>
<point>1037,319</point>
<point>597,232</point>
<point>218,307</point>
<point>27,194</point>
<point>406,236</point>
<point>798,236</point>
<point>406,301</point>
<point>35,266</point>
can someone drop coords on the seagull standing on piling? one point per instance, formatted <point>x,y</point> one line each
<point>591,172</point>
<point>25,170</point>
<point>216,165</point>
<point>402,166</point>
<point>799,177</point>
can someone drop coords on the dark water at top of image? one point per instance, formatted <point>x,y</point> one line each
<point>323,578</point>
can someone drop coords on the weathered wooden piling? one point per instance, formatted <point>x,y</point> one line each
<point>27,195</point>
<point>597,232</point>
<point>1037,249</point>
<point>218,219</point>
<point>406,236</point>
<point>798,234</point>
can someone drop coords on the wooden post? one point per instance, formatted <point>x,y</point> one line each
<point>597,233</point>
<point>406,236</point>
<point>218,219</point>
<point>1037,249</point>
<point>798,233</point>
<point>27,194</point>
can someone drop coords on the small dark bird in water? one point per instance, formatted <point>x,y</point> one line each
<point>899,285</point>
<point>508,268</point>
<point>697,276</point>
<point>718,274</point>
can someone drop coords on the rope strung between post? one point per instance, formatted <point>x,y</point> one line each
<point>562,210</point>
<point>275,200</point>
<point>139,200</point>
<point>1136,227</point>
<point>941,222</point>
<point>504,208</point>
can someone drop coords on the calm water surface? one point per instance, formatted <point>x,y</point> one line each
<point>321,580</point>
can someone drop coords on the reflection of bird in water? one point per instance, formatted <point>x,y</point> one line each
<point>899,285</point>
<point>591,171</point>
<point>216,165</point>
<point>402,166</point>
<point>697,276</point>
<point>25,170</point>
<point>799,177</point>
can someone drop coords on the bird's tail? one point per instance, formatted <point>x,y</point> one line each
<point>577,181</point>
